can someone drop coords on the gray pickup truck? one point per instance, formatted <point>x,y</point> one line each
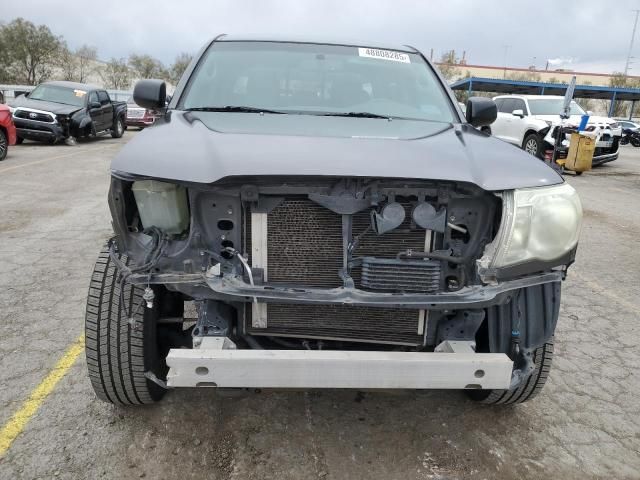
<point>60,110</point>
<point>336,222</point>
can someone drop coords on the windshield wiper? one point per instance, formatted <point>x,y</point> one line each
<point>233,108</point>
<point>357,115</point>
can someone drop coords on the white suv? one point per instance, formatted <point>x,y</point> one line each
<point>530,122</point>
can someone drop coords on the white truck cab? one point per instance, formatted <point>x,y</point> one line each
<point>530,121</point>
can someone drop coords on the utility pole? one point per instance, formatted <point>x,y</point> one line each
<point>633,35</point>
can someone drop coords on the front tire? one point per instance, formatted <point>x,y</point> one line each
<point>533,144</point>
<point>118,128</point>
<point>118,353</point>
<point>4,145</point>
<point>534,312</point>
<point>542,358</point>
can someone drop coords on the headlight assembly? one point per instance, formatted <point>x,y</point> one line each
<point>538,224</point>
<point>162,205</point>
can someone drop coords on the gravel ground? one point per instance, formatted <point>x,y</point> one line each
<point>585,424</point>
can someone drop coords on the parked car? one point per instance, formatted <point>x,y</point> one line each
<point>630,133</point>
<point>628,125</point>
<point>7,131</point>
<point>531,122</point>
<point>338,224</point>
<point>138,116</point>
<point>56,111</point>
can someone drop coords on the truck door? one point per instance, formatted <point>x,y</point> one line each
<point>95,111</point>
<point>499,128</point>
<point>107,109</point>
<point>518,123</point>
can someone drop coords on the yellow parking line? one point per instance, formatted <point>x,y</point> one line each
<point>19,420</point>
<point>76,152</point>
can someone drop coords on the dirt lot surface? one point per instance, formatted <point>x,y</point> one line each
<point>585,424</point>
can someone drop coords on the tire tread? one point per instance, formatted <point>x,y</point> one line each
<point>115,351</point>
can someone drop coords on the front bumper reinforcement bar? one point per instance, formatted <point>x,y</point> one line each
<point>211,365</point>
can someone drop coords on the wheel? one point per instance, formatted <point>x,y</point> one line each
<point>533,144</point>
<point>635,141</point>
<point>19,140</point>
<point>119,354</point>
<point>118,129</point>
<point>533,311</point>
<point>578,174</point>
<point>4,145</point>
<point>542,359</point>
<point>624,140</point>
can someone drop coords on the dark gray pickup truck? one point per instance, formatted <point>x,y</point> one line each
<point>56,111</point>
<point>337,223</point>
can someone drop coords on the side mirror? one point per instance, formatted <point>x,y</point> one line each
<point>518,113</point>
<point>169,97</point>
<point>150,94</point>
<point>481,111</point>
<point>93,105</point>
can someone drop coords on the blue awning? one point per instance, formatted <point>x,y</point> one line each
<point>518,87</point>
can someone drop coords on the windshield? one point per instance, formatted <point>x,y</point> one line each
<point>552,106</point>
<point>67,96</point>
<point>317,79</point>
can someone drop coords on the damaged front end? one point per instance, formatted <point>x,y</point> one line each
<point>40,125</point>
<point>317,262</point>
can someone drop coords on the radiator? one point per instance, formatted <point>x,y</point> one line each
<point>300,243</point>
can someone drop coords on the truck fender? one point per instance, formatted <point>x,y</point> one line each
<point>85,120</point>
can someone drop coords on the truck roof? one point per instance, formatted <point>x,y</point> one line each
<point>75,85</point>
<point>311,39</point>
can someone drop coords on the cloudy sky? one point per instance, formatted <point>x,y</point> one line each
<point>587,35</point>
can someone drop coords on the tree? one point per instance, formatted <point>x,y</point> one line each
<point>447,65</point>
<point>146,66</point>
<point>5,76</point>
<point>620,80</point>
<point>68,64</point>
<point>85,56</point>
<point>179,66</point>
<point>30,51</point>
<point>116,74</point>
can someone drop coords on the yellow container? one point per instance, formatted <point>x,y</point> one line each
<point>580,156</point>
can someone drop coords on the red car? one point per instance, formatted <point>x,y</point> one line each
<point>7,131</point>
<point>138,116</point>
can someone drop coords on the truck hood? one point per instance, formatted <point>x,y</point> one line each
<point>57,108</point>
<point>205,147</point>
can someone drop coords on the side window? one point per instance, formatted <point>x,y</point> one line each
<point>507,105</point>
<point>518,104</point>
<point>103,97</point>
<point>499,102</point>
<point>93,97</point>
